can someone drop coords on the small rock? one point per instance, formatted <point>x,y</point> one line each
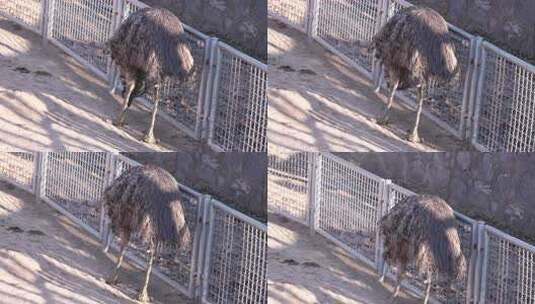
<point>15,229</point>
<point>22,70</point>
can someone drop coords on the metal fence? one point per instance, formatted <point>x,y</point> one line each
<point>226,84</point>
<point>226,262</point>
<point>343,203</point>
<point>492,104</point>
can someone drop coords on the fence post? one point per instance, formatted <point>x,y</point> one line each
<point>478,268</point>
<point>211,66</point>
<point>207,249</point>
<point>40,172</point>
<point>315,194</point>
<point>312,18</point>
<point>214,91</point>
<point>201,252</point>
<point>478,91</point>
<point>474,76</point>
<point>109,177</point>
<point>47,19</point>
<point>470,288</point>
<point>384,199</point>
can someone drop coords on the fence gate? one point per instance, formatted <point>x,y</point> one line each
<point>238,108</point>
<point>505,102</point>
<point>235,258</point>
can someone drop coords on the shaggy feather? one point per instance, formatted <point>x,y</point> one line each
<point>152,42</point>
<point>145,201</point>
<point>415,48</point>
<point>421,229</point>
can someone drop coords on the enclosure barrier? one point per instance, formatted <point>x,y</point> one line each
<point>224,101</point>
<point>227,259</point>
<point>491,105</point>
<point>343,202</point>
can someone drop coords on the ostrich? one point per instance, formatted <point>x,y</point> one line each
<point>415,50</point>
<point>421,229</point>
<point>145,201</point>
<point>149,47</point>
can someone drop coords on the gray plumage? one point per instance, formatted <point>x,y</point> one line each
<point>421,230</point>
<point>149,47</point>
<point>416,50</point>
<point>145,202</point>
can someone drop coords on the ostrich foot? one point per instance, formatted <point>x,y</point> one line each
<point>381,279</point>
<point>383,120</point>
<point>112,280</point>
<point>149,138</point>
<point>414,138</point>
<point>118,122</point>
<point>143,296</point>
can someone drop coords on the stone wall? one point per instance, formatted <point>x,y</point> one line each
<point>498,188</point>
<point>240,23</point>
<point>236,179</point>
<point>509,24</point>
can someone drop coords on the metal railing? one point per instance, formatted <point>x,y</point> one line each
<point>223,103</point>
<point>343,203</point>
<point>227,260</point>
<point>492,105</point>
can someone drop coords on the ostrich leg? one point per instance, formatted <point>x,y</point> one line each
<point>112,280</point>
<point>384,118</point>
<point>143,294</point>
<point>428,289</point>
<point>149,135</point>
<point>129,89</point>
<point>401,273</point>
<point>414,135</point>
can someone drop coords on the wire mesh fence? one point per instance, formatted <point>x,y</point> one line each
<point>236,258</point>
<point>18,168</point>
<point>509,270</point>
<point>238,118</point>
<point>26,12</point>
<point>348,203</point>
<point>492,101</point>
<point>73,184</point>
<point>239,122</point>
<point>505,104</point>
<point>344,24</point>
<point>348,206</point>
<point>294,13</point>
<point>288,181</point>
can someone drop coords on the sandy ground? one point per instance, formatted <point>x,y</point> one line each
<point>48,101</point>
<point>44,258</point>
<point>311,269</point>
<point>317,102</point>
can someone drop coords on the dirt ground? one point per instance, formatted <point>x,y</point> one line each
<point>317,102</point>
<point>48,101</point>
<point>45,258</point>
<point>311,269</point>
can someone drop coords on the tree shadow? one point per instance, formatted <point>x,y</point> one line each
<point>48,258</point>
<point>337,100</point>
<point>51,102</point>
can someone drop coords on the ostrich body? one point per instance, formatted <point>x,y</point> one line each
<point>415,50</point>
<point>421,230</point>
<point>149,47</point>
<point>145,201</point>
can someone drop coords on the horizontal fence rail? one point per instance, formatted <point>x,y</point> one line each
<point>224,101</point>
<point>226,262</point>
<point>344,203</point>
<point>491,104</point>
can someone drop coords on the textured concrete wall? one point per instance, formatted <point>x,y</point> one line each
<point>498,188</point>
<point>509,24</point>
<point>240,23</point>
<point>237,179</point>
